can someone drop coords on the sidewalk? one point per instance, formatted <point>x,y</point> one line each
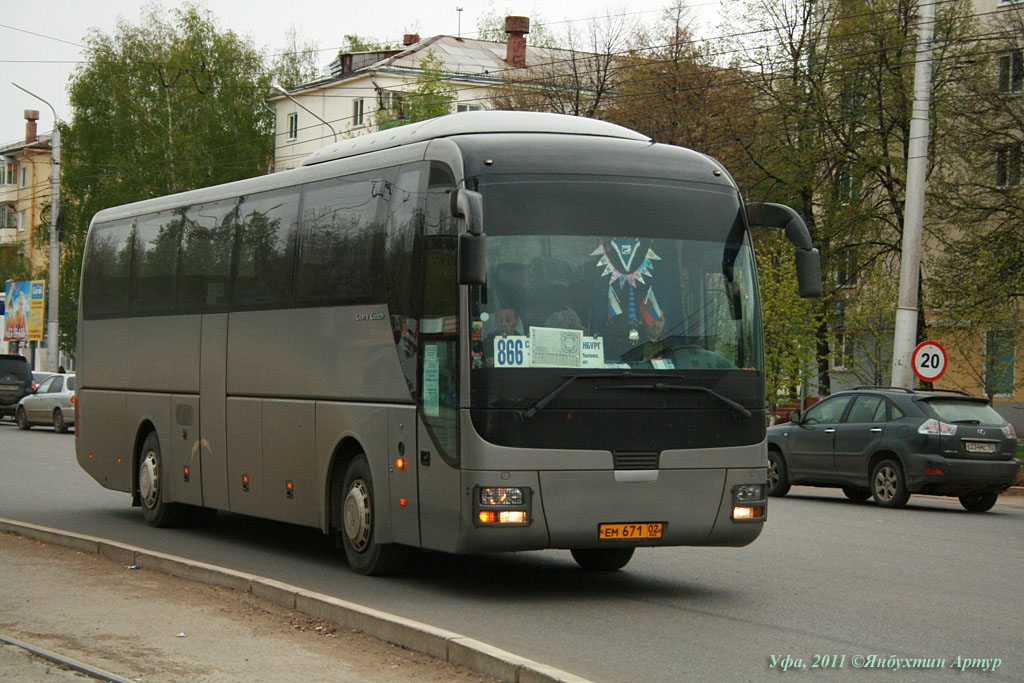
<point>146,626</point>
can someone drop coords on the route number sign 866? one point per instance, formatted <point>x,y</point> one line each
<point>512,352</point>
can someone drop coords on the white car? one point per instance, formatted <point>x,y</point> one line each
<point>52,403</point>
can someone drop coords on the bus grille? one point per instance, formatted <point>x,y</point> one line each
<point>636,460</point>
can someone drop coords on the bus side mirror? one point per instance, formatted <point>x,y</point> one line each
<point>469,206</point>
<point>808,272</point>
<point>472,259</point>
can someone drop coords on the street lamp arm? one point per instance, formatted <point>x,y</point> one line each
<point>284,92</point>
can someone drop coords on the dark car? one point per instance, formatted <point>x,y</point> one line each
<point>888,442</point>
<point>15,382</point>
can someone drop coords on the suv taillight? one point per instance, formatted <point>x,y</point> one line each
<point>1008,431</point>
<point>936,428</point>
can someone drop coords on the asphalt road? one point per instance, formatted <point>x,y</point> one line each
<point>826,578</point>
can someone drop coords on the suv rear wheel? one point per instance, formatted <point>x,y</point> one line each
<point>887,485</point>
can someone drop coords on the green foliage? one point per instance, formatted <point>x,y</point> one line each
<point>355,43</point>
<point>790,323</point>
<point>170,104</point>
<point>490,25</point>
<point>14,264</point>
<point>429,96</point>
<point>296,63</point>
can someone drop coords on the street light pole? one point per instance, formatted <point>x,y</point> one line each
<point>52,324</point>
<point>284,92</point>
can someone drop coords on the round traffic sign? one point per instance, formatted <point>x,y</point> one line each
<point>929,361</point>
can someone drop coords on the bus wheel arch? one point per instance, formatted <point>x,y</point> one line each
<point>353,515</point>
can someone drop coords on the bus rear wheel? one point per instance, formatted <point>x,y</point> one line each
<point>602,559</point>
<point>155,509</point>
<point>365,555</point>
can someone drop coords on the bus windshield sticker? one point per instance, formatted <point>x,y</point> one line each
<point>431,376</point>
<point>512,351</point>
<point>555,347</point>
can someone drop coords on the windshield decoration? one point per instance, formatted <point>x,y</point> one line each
<point>623,300</point>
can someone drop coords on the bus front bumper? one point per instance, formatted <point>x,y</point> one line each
<point>607,508</point>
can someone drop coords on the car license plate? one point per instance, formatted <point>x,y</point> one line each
<point>635,530</point>
<point>979,447</point>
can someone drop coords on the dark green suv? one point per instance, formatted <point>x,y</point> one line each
<point>887,442</point>
<point>15,382</point>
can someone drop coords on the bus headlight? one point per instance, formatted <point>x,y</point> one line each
<point>749,503</point>
<point>501,506</point>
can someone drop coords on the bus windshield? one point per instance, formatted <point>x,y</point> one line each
<point>610,275</point>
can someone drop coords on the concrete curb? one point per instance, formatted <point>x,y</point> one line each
<point>1013,491</point>
<point>410,634</point>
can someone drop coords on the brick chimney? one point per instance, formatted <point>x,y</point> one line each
<point>410,39</point>
<point>31,116</point>
<point>516,28</point>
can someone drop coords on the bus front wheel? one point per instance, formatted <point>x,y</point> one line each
<point>602,559</point>
<point>155,509</point>
<point>365,555</point>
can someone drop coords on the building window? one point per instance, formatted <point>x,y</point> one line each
<point>1000,356</point>
<point>1008,161</point>
<point>391,100</point>
<point>293,126</point>
<point>9,174</point>
<point>358,107</point>
<point>8,216</point>
<point>24,176</point>
<point>1011,72</point>
<point>847,186</point>
<point>22,220</point>
<point>846,267</point>
<point>468,107</point>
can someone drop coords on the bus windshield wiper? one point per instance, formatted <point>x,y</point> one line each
<point>540,404</point>
<point>661,386</point>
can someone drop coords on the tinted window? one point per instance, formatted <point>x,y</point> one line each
<point>17,366</point>
<point>827,412</point>
<point>867,409</point>
<point>45,386</point>
<point>208,238</point>
<point>266,226</point>
<point>896,413</point>
<point>341,241</point>
<point>107,269</point>
<point>952,410</point>
<point>71,383</point>
<point>57,385</point>
<point>155,262</point>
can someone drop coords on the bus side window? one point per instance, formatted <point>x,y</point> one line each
<point>341,241</point>
<point>208,236</point>
<point>107,269</point>
<point>264,249</point>
<point>155,262</point>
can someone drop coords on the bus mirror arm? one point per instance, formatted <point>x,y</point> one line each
<point>808,259</point>
<point>470,206</point>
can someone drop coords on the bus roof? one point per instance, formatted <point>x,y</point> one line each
<point>467,123</point>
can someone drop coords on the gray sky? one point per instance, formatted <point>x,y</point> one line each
<point>40,39</point>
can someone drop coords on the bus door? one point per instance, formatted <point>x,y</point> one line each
<point>209,449</point>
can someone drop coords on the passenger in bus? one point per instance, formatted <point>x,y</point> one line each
<point>565,318</point>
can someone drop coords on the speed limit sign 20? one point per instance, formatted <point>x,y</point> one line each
<point>929,361</point>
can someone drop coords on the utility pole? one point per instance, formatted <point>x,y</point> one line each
<point>905,337</point>
<point>53,303</point>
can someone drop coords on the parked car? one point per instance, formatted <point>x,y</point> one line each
<point>52,403</point>
<point>15,382</point>
<point>890,442</point>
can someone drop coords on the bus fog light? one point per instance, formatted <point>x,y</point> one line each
<point>501,496</point>
<point>512,517</point>
<point>747,513</point>
<point>746,493</point>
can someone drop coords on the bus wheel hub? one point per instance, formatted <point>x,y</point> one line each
<point>358,515</point>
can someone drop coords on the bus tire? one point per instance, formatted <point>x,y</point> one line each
<point>365,555</point>
<point>157,512</point>
<point>602,559</point>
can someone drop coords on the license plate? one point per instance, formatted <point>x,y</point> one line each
<point>635,530</point>
<point>979,447</point>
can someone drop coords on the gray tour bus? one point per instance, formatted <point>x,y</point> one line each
<point>490,331</point>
